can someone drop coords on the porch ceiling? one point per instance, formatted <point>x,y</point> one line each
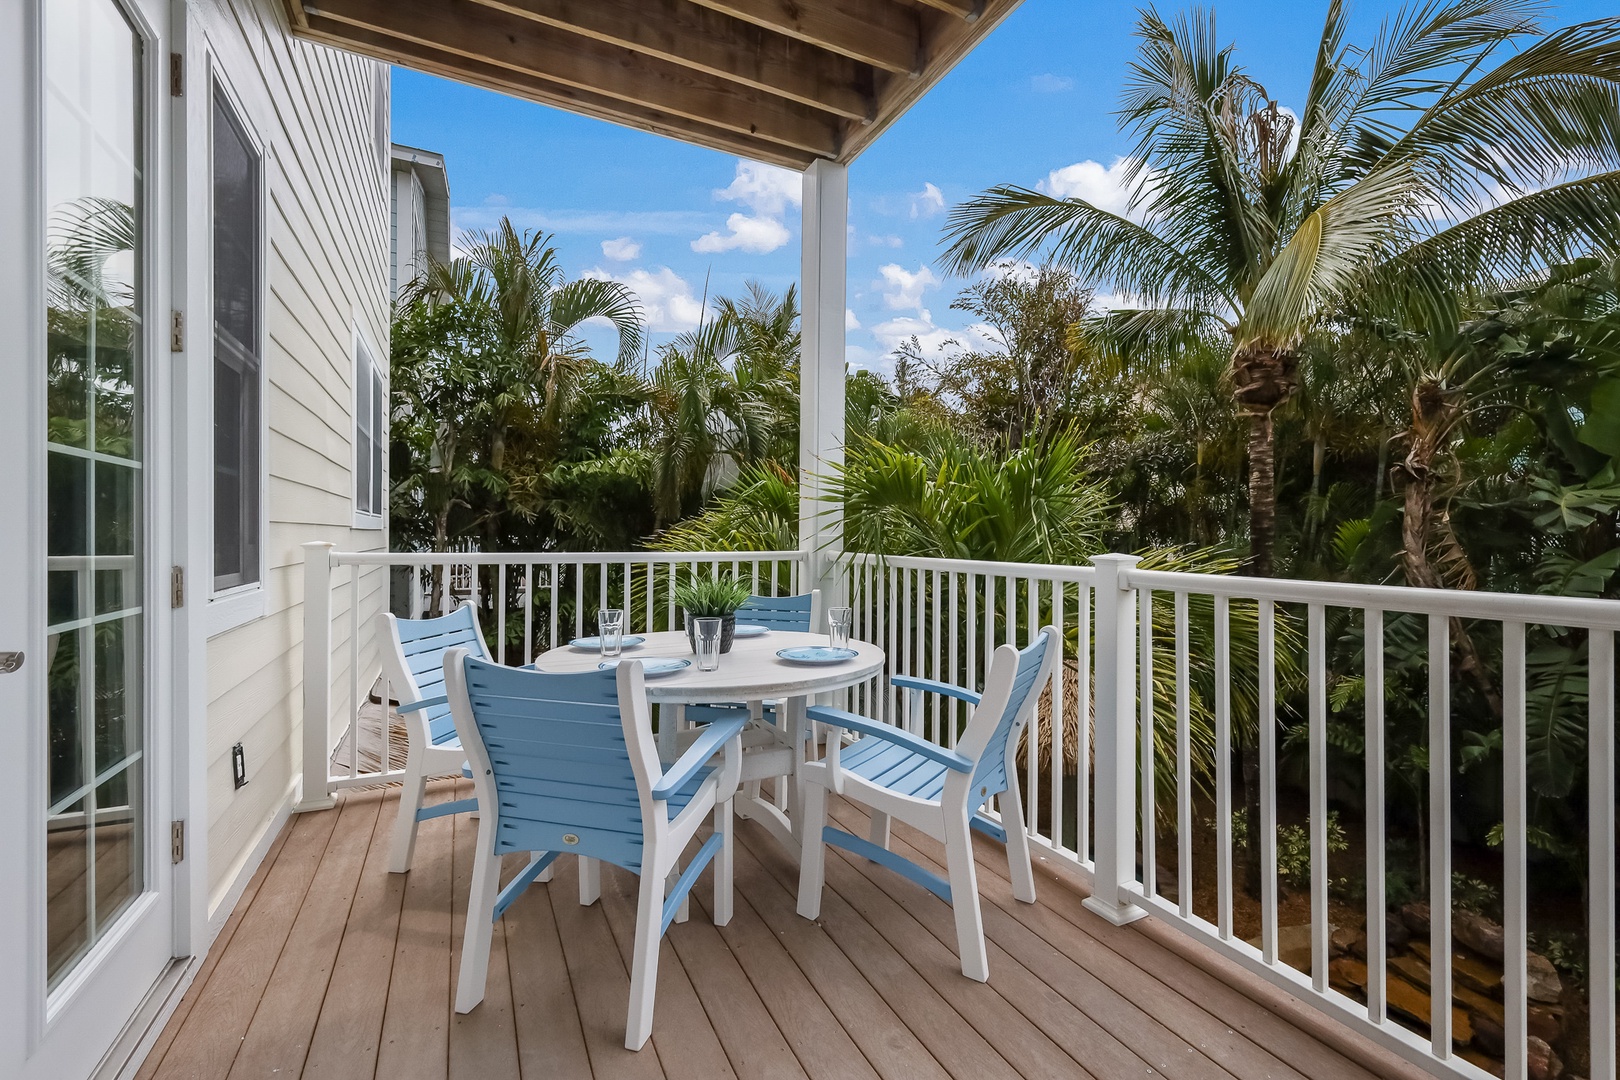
<point>783,81</point>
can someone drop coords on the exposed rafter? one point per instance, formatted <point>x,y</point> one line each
<point>784,81</point>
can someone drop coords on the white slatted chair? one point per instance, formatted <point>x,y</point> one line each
<point>897,775</point>
<point>565,764</point>
<point>413,658</point>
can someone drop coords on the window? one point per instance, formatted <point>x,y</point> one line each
<point>238,364</point>
<point>370,436</point>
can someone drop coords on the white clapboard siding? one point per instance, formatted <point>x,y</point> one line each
<point>326,269</point>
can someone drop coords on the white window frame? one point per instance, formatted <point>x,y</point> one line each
<point>241,604</point>
<point>361,347</point>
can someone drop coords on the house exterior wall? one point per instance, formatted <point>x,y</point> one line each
<point>326,239</point>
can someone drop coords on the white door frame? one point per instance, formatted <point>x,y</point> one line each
<point>64,1035</point>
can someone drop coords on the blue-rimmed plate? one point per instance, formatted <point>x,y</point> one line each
<point>594,643</point>
<point>816,654</point>
<point>749,629</point>
<point>652,667</point>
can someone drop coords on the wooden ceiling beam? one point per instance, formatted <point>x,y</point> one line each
<point>962,9</point>
<point>319,28</point>
<point>467,29</point>
<point>885,35</point>
<point>714,43</point>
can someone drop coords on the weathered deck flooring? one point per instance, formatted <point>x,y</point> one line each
<point>332,968</point>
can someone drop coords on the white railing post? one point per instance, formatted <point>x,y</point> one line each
<point>1115,761</point>
<point>823,272</point>
<point>314,792</point>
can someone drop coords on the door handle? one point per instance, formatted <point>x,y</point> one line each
<point>10,661</point>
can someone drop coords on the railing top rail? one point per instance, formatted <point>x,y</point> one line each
<point>555,558</point>
<point>1533,609</point>
<point>1044,571</point>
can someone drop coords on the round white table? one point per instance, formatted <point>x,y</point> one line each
<point>750,672</point>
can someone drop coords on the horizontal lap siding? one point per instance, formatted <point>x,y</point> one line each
<point>327,266</point>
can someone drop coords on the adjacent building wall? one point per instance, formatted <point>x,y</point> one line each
<point>419,214</point>
<point>322,115</point>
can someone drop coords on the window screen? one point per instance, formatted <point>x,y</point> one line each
<point>238,310</point>
<point>370,434</point>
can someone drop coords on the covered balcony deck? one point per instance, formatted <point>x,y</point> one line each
<point>332,967</point>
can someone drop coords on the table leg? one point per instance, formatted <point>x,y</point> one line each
<point>670,719</point>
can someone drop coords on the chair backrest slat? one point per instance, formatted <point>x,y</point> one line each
<point>786,613</point>
<point>415,664</point>
<point>561,761</point>
<point>1033,665</point>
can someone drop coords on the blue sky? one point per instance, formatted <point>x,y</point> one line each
<point>1032,105</point>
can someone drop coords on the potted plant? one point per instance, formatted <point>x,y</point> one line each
<point>716,597</point>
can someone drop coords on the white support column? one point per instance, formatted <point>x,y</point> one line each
<point>313,793</point>
<point>821,368</point>
<point>1115,739</point>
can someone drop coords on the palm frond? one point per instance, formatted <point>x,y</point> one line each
<point>590,298</point>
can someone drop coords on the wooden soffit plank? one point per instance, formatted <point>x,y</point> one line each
<point>476,33</point>
<point>393,50</point>
<point>717,44</point>
<point>882,33</point>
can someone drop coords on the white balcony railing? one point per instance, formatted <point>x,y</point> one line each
<point>1162,675</point>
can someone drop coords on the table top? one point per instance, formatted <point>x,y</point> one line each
<point>751,671</point>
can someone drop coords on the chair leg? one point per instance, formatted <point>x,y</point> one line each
<point>590,881</point>
<point>813,850</point>
<point>879,832</point>
<point>683,911</point>
<point>644,961</point>
<point>723,864</point>
<point>411,793</point>
<point>486,886</point>
<point>1019,869</point>
<point>965,898</point>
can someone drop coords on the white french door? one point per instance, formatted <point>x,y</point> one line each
<point>86,896</point>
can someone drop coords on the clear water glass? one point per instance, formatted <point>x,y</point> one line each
<point>610,625</point>
<point>839,620</point>
<point>706,636</point>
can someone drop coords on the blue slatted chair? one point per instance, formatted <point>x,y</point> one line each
<point>897,775</point>
<point>801,614</point>
<point>413,658</point>
<point>565,764</point>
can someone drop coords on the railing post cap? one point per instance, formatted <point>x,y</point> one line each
<point>310,545</point>
<point>1111,559</point>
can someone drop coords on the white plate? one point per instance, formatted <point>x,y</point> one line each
<point>816,654</point>
<point>653,666</point>
<point>594,643</point>
<point>749,630</point>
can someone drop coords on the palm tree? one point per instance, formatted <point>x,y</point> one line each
<point>1426,163</point>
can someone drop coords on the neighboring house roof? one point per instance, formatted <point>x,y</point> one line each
<point>783,81</point>
<point>430,173</point>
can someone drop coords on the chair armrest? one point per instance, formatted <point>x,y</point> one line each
<point>931,686</point>
<point>850,722</point>
<point>704,747</point>
<point>425,703</point>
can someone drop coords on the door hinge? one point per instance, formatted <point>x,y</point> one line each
<point>177,74</point>
<point>177,331</point>
<point>177,841</point>
<point>177,586</point>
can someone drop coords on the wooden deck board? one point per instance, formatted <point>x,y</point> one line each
<point>332,967</point>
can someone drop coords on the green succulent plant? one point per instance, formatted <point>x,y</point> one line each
<point>711,597</point>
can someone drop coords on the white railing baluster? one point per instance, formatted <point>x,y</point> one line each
<point>953,709</point>
<point>528,613</point>
<point>1083,720</point>
<point>1373,695</point>
<point>1265,834</point>
<point>1223,763</point>
<point>1440,833</point>
<point>1601,875</point>
<point>500,613</point>
<point>1515,853</point>
<point>1316,688</point>
<point>1055,748</point>
<point>1032,790</point>
<point>1184,825</point>
<point>1145,740</point>
<point>355,730</point>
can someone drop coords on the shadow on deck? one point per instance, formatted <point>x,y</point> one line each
<point>332,967</point>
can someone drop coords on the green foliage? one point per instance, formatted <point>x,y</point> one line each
<point>1293,847</point>
<point>711,596</point>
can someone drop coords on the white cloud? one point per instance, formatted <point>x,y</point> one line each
<point>764,189</point>
<point>600,222</point>
<point>904,288</point>
<point>931,339</point>
<point>666,297</point>
<point>927,202</point>
<point>850,321</point>
<point>1104,187</point>
<point>1048,83</point>
<point>621,250</point>
<point>756,235</point>
<point>888,240</point>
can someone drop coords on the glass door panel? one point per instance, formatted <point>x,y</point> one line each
<point>95,654</point>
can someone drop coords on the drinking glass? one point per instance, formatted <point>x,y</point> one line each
<point>838,624</point>
<point>706,633</point>
<point>610,625</point>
